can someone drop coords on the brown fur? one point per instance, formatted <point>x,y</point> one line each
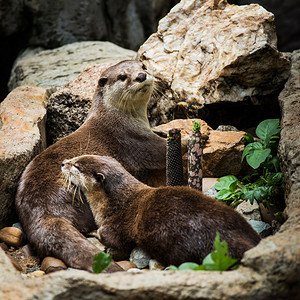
<point>172,224</point>
<point>117,126</point>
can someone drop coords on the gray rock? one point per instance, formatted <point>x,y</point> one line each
<point>212,192</point>
<point>249,211</point>
<point>262,228</point>
<point>140,258</point>
<point>22,136</point>
<point>54,68</point>
<point>289,145</point>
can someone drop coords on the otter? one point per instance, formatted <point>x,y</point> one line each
<point>172,224</point>
<point>117,126</point>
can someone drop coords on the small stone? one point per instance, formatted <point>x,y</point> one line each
<point>135,270</point>
<point>4,247</point>
<point>28,250</point>
<point>155,265</point>
<point>226,128</point>
<point>36,274</point>
<point>12,236</point>
<point>126,265</point>
<point>212,192</point>
<point>249,211</point>
<point>262,228</point>
<point>140,258</point>
<point>51,264</point>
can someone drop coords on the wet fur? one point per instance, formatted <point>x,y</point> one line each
<point>171,224</point>
<point>52,218</point>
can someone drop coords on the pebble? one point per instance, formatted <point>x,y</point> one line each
<point>126,265</point>
<point>36,274</point>
<point>12,236</point>
<point>4,247</point>
<point>140,258</point>
<point>262,228</point>
<point>155,265</point>
<point>249,211</point>
<point>51,264</point>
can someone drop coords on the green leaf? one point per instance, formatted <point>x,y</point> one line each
<point>249,138</point>
<point>266,129</point>
<point>257,157</point>
<point>187,266</point>
<point>196,126</point>
<point>101,262</point>
<point>226,182</point>
<point>249,149</point>
<point>219,259</point>
<point>223,194</point>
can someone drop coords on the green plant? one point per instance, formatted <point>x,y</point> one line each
<point>101,262</point>
<point>264,151</point>
<point>260,155</point>
<point>218,260</point>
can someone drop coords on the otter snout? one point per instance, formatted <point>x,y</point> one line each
<point>141,77</point>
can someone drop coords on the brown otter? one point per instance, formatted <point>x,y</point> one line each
<point>171,224</point>
<point>117,126</point>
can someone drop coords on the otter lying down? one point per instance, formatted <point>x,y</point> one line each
<point>171,224</point>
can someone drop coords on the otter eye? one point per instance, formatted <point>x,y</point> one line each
<point>122,77</point>
<point>102,81</point>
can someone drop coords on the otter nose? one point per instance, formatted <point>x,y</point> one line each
<point>141,77</point>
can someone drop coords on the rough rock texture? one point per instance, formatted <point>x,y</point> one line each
<point>22,136</point>
<point>54,68</point>
<point>68,107</point>
<point>209,51</point>
<point>222,150</point>
<point>287,20</point>
<point>289,146</point>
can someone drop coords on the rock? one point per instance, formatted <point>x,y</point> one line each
<point>51,264</point>
<point>222,153</point>
<point>226,128</point>
<point>262,228</point>
<point>54,68</point>
<point>287,20</point>
<point>36,274</point>
<point>12,236</point>
<point>155,265</point>
<point>126,265</point>
<point>209,52</point>
<point>4,247</point>
<point>139,258</point>
<point>15,263</point>
<point>212,192</point>
<point>28,250</point>
<point>289,145</point>
<point>68,107</point>
<point>22,136</point>
<point>249,211</point>
<point>208,183</point>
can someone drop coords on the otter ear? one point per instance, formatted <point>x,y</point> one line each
<point>101,178</point>
<point>102,81</point>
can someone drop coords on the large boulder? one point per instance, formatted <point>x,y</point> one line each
<point>208,52</point>
<point>289,146</point>
<point>287,20</point>
<point>54,68</point>
<point>22,136</point>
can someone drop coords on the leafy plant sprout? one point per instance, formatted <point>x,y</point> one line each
<point>261,155</point>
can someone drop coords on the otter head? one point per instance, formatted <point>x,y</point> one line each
<point>127,86</point>
<point>93,173</point>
